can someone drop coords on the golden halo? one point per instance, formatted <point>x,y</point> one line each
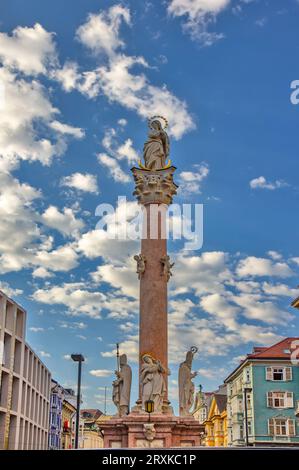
<point>159,118</point>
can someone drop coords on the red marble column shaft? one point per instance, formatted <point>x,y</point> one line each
<point>153,337</point>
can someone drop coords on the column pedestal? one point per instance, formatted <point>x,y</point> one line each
<point>162,431</point>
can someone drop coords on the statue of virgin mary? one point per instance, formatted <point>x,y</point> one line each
<point>156,148</point>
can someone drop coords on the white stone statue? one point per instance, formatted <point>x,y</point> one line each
<point>122,387</point>
<point>166,266</point>
<point>152,382</point>
<point>149,431</point>
<point>186,386</point>
<point>156,148</point>
<point>141,264</point>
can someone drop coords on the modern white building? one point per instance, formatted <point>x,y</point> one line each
<point>24,384</point>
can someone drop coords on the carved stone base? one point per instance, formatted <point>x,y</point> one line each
<point>154,186</point>
<point>161,431</point>
<point>166,409</point>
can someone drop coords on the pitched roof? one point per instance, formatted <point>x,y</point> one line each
<point>295,303</point>
<point>91,413</point>
<point>280,350</point>
<point>221,402</point>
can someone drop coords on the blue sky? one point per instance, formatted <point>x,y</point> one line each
<point>79,80</point>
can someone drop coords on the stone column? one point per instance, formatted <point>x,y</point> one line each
<point>154,191</point>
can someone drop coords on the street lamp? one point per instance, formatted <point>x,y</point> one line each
<point>78,358</point>
<point>149,406</point>
<point>245,391</point>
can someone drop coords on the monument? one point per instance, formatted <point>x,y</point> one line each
<point>154,190</point>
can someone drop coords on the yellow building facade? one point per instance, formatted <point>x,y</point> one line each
<point>91,436</point>
<point>67,436</point>
<point>91,439</point>
<point>216,422</point>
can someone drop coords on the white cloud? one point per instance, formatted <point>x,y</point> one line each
<point>85,300</point>
<point>256,308</point>
<point>84,338</point>
<point>114,168</point>
<point>76,132</point>
<point>63,258</point>
<point>65,222</point>
<point>101,372</point>
<point>200,15</point>
<point>81,181</point>
<point>262,183</point>
<point>212,373</point>
<point>274,255</point>
<point>26,103</point>
<point>220,306</point>
<point>18,231</point>
<point>101,34</point>
<point>75,296</point>
<point>121,277</point>
<point>42,273</point>
<point>8,290</point>
<point>253,266</point>
<point>117,151</point>
<point>36,329</point>
<point>129,347</point>
<point>30,50</point>
<point>73,325</point>
<point>96,244</point>
<point>67,76</point>
<point>111,244</point>
<point>205,273</point>
<point>29,131</point>
<point>127,152</point>
<point>44,354</point>
<point>279,289</point>
<point>190,181</point>
<point>30,248</point>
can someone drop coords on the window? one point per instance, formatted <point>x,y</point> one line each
<point>248,401</point>
<point>247,375</point>
<point>279,374</point>
<point>280,400</point>
<point>281,427</point>
<point>249,427</point>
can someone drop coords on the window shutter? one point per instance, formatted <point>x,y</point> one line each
<point>288,373</point>
<point>289,400</point>
<point>270,400</point>
<point>271,426</point>
<point>269,374</point>
<point>291,427</point>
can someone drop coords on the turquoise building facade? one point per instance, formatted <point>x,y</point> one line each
<point>263,397</point>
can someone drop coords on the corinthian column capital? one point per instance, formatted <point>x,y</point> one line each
<point>154,186</point>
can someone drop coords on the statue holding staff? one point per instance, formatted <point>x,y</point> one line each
<point>186,386</point>
<point>122,385</point>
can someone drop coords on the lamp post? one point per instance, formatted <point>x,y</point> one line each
<point>149,406</point>
<point>78,358</point>
<point>245,391</point>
